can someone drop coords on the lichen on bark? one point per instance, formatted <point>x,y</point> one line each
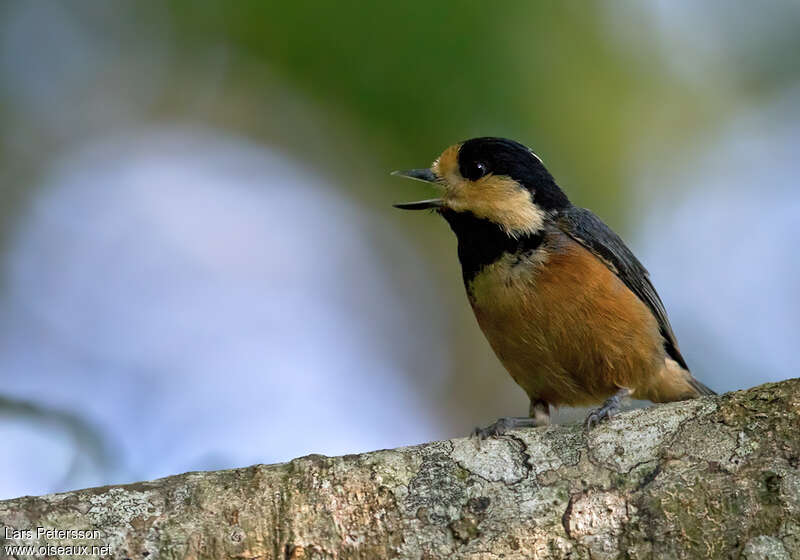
<point>712,478</point>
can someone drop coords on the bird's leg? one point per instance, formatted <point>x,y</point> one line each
<point>609,408</point>
<point>539,410</point>
<point>539,415</point>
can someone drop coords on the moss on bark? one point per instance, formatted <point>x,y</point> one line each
<point>717,477</point>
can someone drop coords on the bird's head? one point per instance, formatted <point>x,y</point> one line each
<point>493,179</point>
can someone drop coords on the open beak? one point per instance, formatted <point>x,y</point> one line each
<point>425,175</point>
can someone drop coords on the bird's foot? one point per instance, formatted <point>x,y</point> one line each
<point>607,411</point>
<point>503,425</point>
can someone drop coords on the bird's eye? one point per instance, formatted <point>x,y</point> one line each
<point>474,170</point>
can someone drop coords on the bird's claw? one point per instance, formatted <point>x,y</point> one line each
<point>605,412</point>
<point>497,429</point>
<point>504,424</point>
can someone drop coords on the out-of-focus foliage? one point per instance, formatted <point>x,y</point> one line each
<point>421,75</point>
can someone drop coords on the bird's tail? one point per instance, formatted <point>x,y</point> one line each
<point>673,383</point>
<point>701,389</point>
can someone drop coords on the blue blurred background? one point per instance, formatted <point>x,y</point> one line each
<point>200,265</point>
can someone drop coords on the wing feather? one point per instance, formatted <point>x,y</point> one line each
<point>590,231</point>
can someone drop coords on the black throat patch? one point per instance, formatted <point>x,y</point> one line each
<point>482,242</point>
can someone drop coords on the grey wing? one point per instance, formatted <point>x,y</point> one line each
<point>590,231</point>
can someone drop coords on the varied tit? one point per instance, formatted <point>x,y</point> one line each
<point>568,309</point>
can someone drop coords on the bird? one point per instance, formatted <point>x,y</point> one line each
<point>568,309</point>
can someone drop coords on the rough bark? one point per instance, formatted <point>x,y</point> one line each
<point>712,478</point>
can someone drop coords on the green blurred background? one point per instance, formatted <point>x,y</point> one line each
<point>635,107</point>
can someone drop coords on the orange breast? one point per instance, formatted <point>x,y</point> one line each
<point>564,326</point>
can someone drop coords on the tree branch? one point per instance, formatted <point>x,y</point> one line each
<point>711,478</point>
